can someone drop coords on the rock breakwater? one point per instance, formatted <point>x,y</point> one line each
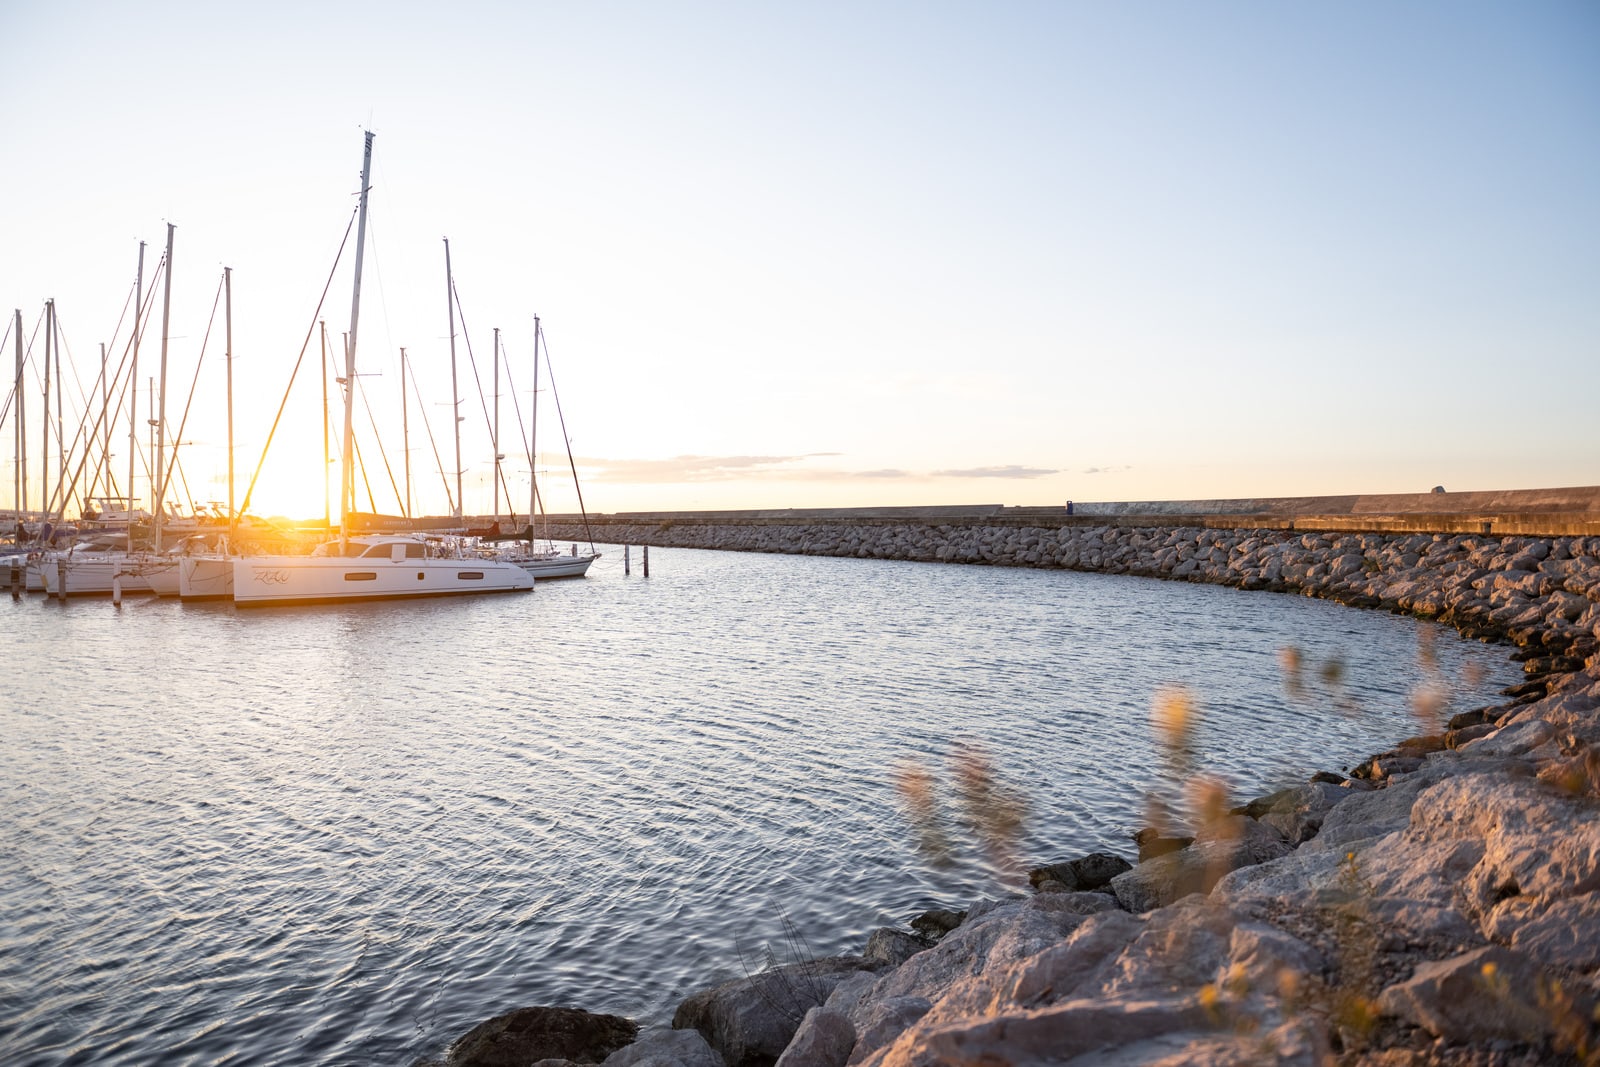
<point>1517,587</point>
<point>1441,905</point>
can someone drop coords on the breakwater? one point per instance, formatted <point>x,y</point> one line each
<point>1438,904</point>
<point>1524,588</point>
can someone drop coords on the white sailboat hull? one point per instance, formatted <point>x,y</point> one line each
<point>205,577</point>
<point>163,577</point>
<point>556,566</point>
<point>265,580</point>
<point>91,575</point>
<point>27,572</point>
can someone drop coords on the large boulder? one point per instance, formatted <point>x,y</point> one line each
<point>1239,842</point>
<point>750,1021</point>
<point>1085,873</point>
<point>528,1035</point>
<point>1484,995</point>
<point>1297,813</point>
<point>664,1047</point>
<point>893,947</point>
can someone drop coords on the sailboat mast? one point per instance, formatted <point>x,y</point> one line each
<point>405,430</point>
<point>326,460</point>
<point>227,290</point>
<point>533,437</point>
<point>104,468</point>
<point>346,490</point>
<point>44,423</point>
<point>61,431</point>
<point>161,401</point>
<point>133,382</point>
<point>455,400</point>
<point>20,474</point>
<point>496,443</point>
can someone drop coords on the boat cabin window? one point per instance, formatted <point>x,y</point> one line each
<point>396,550</point>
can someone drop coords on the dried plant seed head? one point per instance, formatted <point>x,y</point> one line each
<point>1208,798</point>
<point>1289,662</point>
<point>1427,704</point>
<point>1427,654</point>
<point>1173,715</point>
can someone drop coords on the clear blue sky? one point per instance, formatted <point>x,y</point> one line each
<point>847,254</point>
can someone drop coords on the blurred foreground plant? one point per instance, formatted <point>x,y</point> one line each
<point>993,811</point>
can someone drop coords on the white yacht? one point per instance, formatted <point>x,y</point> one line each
<point>372,567</point>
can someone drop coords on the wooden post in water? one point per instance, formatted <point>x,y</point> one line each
<point>116,589</point>
<point>647,561</point>
<point>626,567</point>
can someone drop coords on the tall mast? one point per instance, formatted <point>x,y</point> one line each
<point>326,461</point>
<point>61,433</point>
<point>227,289</point>
<point>405,430</point>
<point>455,401</point>
<point>496,443</point>
<point>103,470</point>
<point>133,381</point>
<point>44,423</point>
<point>161,401</point>
<point>20,474</point>
<point>533,437</point>
<point>346,492</point>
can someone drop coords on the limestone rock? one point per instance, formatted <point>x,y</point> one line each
<point>1088,872</point>
<point>664,1047</point>
<point>823,1040</point>
<point>1152,843</point>
<point>1196,869</point>
<point>936,922</point>
<point>1483,995</point>
<point>528,1035</point>
<point>893,947</point>
<point>751,1020</point>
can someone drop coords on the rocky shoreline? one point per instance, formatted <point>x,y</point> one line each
<point>1440,905</point>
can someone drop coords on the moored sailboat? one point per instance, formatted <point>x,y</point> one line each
<point>541,559</point>
<point>367,566</point>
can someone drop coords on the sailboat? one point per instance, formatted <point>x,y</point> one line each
<point>110,566</point>
<point>543,560</point>
<point>368,566</point>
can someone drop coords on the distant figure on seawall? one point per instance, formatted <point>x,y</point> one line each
<point>1438,489</point>
<point>1069,507</point>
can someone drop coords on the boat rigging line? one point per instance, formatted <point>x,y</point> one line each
<point>315,318</point>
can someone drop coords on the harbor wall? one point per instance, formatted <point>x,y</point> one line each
<point>1524,587</point>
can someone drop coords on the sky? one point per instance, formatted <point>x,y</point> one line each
<point>823,255</point>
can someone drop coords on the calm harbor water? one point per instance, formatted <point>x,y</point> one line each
<point>346,834</point>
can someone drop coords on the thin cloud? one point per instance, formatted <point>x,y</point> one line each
<point>1105,470</point>
<point>1009,471</point>
<point>693,469</point>
<point>686,468</point>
